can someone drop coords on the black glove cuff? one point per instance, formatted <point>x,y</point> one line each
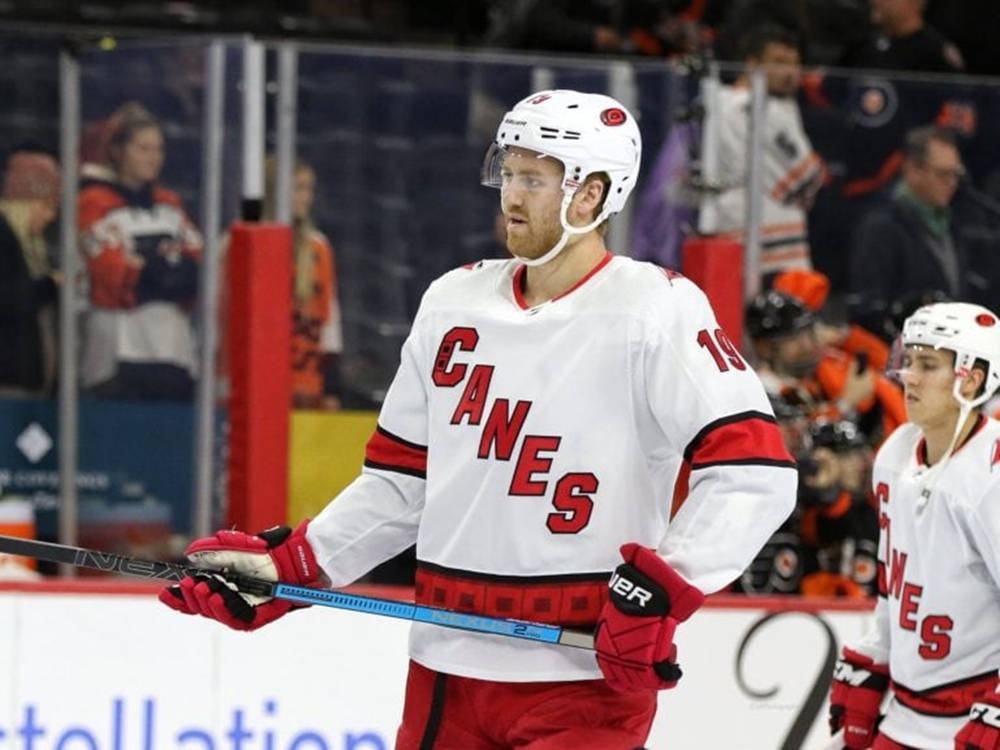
<point>668,671</point>
<point>275,535</point>
<point>635,593</point>
<point>836,718</point>
<point>856,675</point>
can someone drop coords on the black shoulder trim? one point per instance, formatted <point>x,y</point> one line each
<point>721,422</point>
<point>398,469</point>
<point>396,438</point>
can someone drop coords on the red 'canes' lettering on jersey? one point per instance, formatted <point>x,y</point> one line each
<point>553,435</point>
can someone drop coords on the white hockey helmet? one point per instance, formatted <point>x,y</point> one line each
<point>970,331</point>
<point>586,133</point>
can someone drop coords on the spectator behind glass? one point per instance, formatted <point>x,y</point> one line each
<point>793,172</point>
<point>909,246</point>
<point>838,522</point>
<point>903,41</point>
<point>317,337</point>
<point>142,254</point>
<point>812,288</point>
<point>649,27</point>
<point>795,366</point>
<point>28,283</point>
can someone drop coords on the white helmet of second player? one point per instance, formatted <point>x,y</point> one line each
<point>970,331</point>
<point>587,133</point>
<point>973,333</point>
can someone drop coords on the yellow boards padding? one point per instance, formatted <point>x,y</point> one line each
<point>327,450</point>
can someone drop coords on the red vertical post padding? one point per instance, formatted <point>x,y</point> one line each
<point>259,352</point>
<point>716,265</point>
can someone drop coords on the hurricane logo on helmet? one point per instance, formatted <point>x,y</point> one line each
<point>613,116</point>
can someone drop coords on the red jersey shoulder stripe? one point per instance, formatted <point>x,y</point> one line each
<point>749,437</point>
<point>392,453</point>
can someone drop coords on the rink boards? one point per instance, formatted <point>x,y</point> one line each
<point>106,667</point>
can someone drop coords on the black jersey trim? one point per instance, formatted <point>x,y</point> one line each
<point>416,446</point>
<point>949,685</point>
<point>369,464</point>
<point>746,462</point>
<point>514,580</point>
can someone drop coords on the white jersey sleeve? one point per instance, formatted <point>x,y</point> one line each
<point>982,523</point>
<point>982,527</point>
<point>737,483</point>
<point>377,516</point>
<point>875,642</point>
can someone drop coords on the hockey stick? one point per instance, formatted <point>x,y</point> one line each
<point>165,571</point>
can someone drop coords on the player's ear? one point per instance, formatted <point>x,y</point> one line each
<point>589,198</point>
<point>972,383</point>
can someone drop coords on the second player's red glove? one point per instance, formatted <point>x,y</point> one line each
<point>635,631</point>
<point>855,697</point>
<point>277,554</point>
<point>982,730</point>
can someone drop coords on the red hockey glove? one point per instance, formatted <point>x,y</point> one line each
<point>855,696</point>
<point>277,554</point>
<point>635,631</point>
<point>982,730</point>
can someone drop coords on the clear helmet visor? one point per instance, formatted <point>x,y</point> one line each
<point>506,167</point>
<point>894,367</point>
<point>906,358</point>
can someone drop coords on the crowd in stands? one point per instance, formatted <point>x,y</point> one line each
<point>142,258</point>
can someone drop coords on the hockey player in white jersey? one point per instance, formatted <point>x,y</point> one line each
<point>936,638</point>
<point>556,417</point>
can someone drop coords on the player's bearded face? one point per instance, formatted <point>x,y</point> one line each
<point>530,198</point>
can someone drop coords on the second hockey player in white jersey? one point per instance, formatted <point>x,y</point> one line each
<point>936,639</point>
<point>555,417</point>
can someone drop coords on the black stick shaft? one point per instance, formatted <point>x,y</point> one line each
<point>114,563</point>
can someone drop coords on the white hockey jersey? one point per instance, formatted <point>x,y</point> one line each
<point>937,621</point>
<point>792,173</point>
<point>521,446</point>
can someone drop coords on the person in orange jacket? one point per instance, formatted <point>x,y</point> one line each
<point>838,523</point>
<point>794,364</point>
<point>812,288</point>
